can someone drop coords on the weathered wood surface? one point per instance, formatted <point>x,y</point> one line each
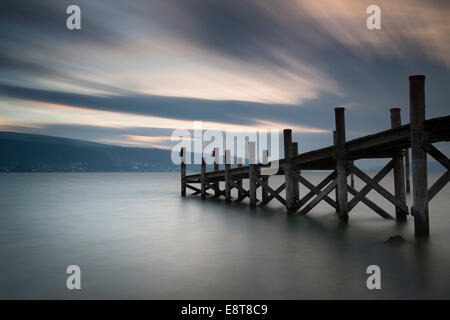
<point>419,156</point>
<point>379,145</point>
<point>399,171</point>
<point>419,136</point>
<point>341,165</point>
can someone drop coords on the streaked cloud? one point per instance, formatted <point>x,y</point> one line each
<point>160,64</point>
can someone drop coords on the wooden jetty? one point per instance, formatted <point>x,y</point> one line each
<point>419,136</point>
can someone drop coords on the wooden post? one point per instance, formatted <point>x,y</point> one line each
<point>183,171</point>
<point>407,171</point>
<point>341,164</point>
<point>239,164</point>
<point>290,187</point>
<point>227,176</point>
<point>252,173</point>
<point>336,188</point>
<point>419,156</point>
<point>265,160</point>
<point>399,177</point>
<point>203,179</point>
<point>352,179</point>
<point>296,183</point>
<point>215,154</point>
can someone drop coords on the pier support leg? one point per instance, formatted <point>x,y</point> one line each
<point>252,173</point>
<point>336,195</point>
<point>296,183</point>
<point>399,178</point>
<point>215,154</point>
<point>264,192</point>
<point>352,179</point>
<point>239,164</point>
<point>227,176</point>
<point>419,156</point>
<point>407,171</point>
<point>183,171</point>
<point>341,169</point>
<point>290,181</point>
<point>203,179</point>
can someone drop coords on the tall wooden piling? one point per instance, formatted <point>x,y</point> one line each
<point>399,177</point>
<point>419,156</point>
<point>203,179</point>
<point>215,154</point>
<point>407,171</point>
<point>352,179</point>
<point>265,160</point>
<point>183,171</point>
<point>336,188</point>
<point>296,183</point>
<point>239,182</point>
<point>252,173</point>
<point>341,169</point>
<point>290,181</point>
<point>227,176</point>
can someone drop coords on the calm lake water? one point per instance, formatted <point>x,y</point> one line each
<point>134,237</point>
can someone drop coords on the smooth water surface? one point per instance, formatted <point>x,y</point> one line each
<point>133,236</point>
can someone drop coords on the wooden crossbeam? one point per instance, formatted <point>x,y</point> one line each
<point>193,188</point>
<point>272,196</point>
<point>271,191</point>
<point>197,190</point>
<point>386,194</point>
<point>364,191</point>
<point>319,197</point>
<point>215,188</point>
<point>439,156</point>
<point>242,192</point>
<point>313,188</point>
<point>443,160</point>
<point>372,205</point>
<point>438,185</point>
<point>311,194</point>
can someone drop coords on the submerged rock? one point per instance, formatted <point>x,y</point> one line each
<point>396,240</point>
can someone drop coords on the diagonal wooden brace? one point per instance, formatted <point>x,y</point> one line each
<point>242,192</point>
<point>386,194</point>
<point>272,196</point>
<point>438,185</point>
<point>271,191</point>
<point>215,188</point>
<point>443,160</point>
<point>372,205</point>
<point>311,194</point>
<point>439,156</point>
<point>313,188</point>
<point>319,197</point>
<point>364,191</point>
<point>197,190</point>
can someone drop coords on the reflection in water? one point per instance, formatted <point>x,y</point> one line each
<point>134,237</point>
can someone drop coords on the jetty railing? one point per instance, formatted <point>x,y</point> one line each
<point>419,136</point>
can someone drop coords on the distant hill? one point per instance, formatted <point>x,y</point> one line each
<point>21,152</point>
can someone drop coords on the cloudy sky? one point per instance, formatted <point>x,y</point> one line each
<point>139,69</point>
